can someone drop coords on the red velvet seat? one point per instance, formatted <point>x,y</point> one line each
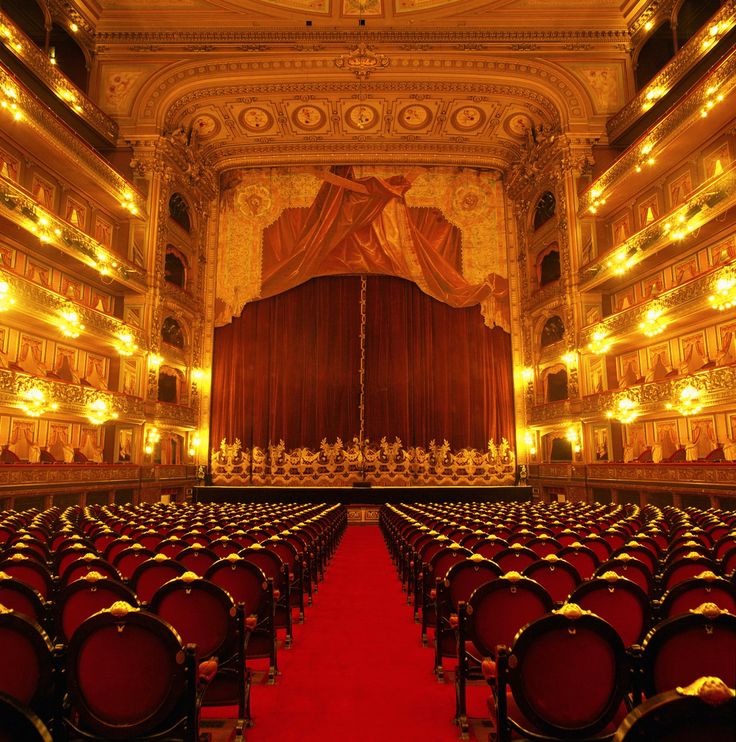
<point>196,558</point>
<point>558,577</point>
<point>246,584</point>
<point>515,558</point>
<point>23,599</point>
<point>83,565</point>
<point>630,568</point>
<point>29,571</point>
<point>19,723</point>
<point>492,616</point>
<point>206,616</point>
<point>567,673</point>
<point>130,677</point>
<point>84,597</point>
<point>619,601</point>
<point>127,560</point>
<point>685,568</point>
<point>704,710</point>
<point>152,573</point>
<point>704,588</point>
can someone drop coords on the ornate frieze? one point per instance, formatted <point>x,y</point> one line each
<point>385,464</point>
<point>685,474</point>
<point>174,415</point>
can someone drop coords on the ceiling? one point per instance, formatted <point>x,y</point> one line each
<point>471,82</point>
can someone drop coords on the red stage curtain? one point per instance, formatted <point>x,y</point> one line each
<point>288,369</point>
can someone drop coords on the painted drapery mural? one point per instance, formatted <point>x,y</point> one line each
<point>441,228</point>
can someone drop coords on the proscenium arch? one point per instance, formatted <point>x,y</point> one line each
<point>175,94</point>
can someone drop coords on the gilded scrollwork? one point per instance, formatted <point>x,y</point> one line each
<point>388,463</point>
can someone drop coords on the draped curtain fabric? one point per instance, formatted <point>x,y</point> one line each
<point>289,368</point>
<point>363,226</point>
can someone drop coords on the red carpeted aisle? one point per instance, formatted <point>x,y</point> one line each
<point>357,670</point>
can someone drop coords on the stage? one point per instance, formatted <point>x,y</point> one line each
<point>368,496</point>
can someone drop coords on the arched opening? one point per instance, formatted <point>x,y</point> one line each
<point>179,211</point>
<point>28,16</point>
<point>692,16</point>
<point>69,57</point>
<point>175,270</point>
<point>169,385</point>
<point>656,52</point>
<point>557,385</point>
<point>552,332</point>
<point>545,209</point>
<point>560,450</point>
<point>172,334</point>
<point>548,268</point>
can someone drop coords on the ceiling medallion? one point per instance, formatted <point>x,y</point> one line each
<point>467,118</point>
<point>415,116</point>
<point>362,61</point>
<point>361,116</point>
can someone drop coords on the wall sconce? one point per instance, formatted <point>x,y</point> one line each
<point>126,201</point>
<point>724,292</point>
<point>194,442</point>
<point>70,323</point>
<point>155,360</point>
<point>529,442</point>
<point>35,402</point>
<point>625,411</point>
<point>688,401</point>
<point>570,358</point>
<point>126,346</point>
<point>571,434</point>
<point>653,324</point>
<point>527,374</point>
<point>6,296</point>
<point>152,438</point>
<point>99,411</point>
<point>197,374</point>
<point>600,343</point>
<point>9,101</point>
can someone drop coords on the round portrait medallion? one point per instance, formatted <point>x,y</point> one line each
<point>414,116</point>
<point>468,118</point>
<point>309,117</point>
<point>256,119</point>
<point>361,116</point>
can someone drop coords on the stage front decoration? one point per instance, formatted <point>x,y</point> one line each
<point>386,464</point>
<point>441,228</point>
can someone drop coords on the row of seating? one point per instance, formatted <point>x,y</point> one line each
<point>221,616</point>
<point>474,605</point>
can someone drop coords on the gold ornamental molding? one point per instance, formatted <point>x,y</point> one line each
<point>685,59</point>
<point>37,301</point>
<point>71,398</point>
<point>685,474</point>
<point>385,464</point>
<point>56,81</point>
<point>259,40</point>
<point>27,213</point>
<point>362,61</point>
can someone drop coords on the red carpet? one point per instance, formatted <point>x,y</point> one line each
<point>357,671</point>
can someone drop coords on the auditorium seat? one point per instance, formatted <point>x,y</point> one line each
<point>558,577</point>
<point>683,648</point>
<point>494,613</point>
<point>565,677</point>
<point>703,710</point>
<point>130,677</point>
<point>150,574</point>
<point>206,616</point>
<point>19,723</point>
<point>703,588</point>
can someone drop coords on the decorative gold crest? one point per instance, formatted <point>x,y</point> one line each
<point>362,60</point>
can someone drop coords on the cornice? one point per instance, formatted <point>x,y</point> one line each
<point>685,59</point>
<point>685,474</point>
<point>172,415</point>
<point>464,40</point>
<point>71,96</point>
<point>654,9</point>
<point>68,144</point>
<point>322,150</point>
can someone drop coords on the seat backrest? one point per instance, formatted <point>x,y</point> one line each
<point>685,568</point>
<point>129,675</point>
<point>151,574</point>
<point>466,576</point>
<point>558,577</point>
<point>568,673</point>
<point>86,596</point>
<point>86,564</point>
<point>515,558</point>
<point>30,572</point>
<point>21,598</point>
<point>689,594</point>
<point>243,581</point>
<point>26,669</point>
<point>619,601</point>
<point>704,710</point>
<point>684,648</point>
<point>18,723</point>
<point>498,609</point>
<point>269,562</point>
<point>445,558</point>
<point>196,558</point>
<point>202,613</point>
<point>489,547</point>
<point>630,568</point>
<point>128,560</point>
